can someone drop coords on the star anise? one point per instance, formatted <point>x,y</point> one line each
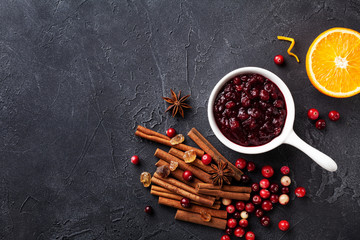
<point>177,103</point>
<point>221,173</point>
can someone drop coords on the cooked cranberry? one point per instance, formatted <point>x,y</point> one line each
<point>256,199</point>
<point>237,215</point>
<point>334,115</point>
<point>285,170</point>
<point>245,178</point>
<point>278,59</point>
<point>206,159</point>
<point>148,210</point>
<point>230,209</point>
<point>171,132</point>
<point>284,225</point>
<point>245,101</point>
<point>267,171</point>
<point>274,188</point>
<point>225,237</point>
<point>234,124</point>
<point>265,221</point>
<point>230,104</point>
<point>240,163</point>
<point>284,199</point>
<point>278,103</point>
<point>264,95</point>
<point>249,207</point>
<point>255,187</point>
<point>266,205</point>
<point>264,193</point>
<point>285,181</point>
<point>237,80</point>
<point>231,223</point>
<point>243,223</point>
<point>240,205</point>
<point>229,231</point>
<point>185,202</point>
<point>239,232</point>
<point>259,212</point>
<point>300,192</point>
<point>320,124</point>
<point>284,190</point>
<point>250,167</point>
<point>274,198</point>
<point>250,236</point>
<point>313,114</point>
<point>264,183</point>
<point>187,175</point>
<point>135,160</point>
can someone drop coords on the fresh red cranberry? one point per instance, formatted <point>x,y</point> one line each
<point>231,223</point>
<point>255,187</point>
<point>250,166</point>
<point>249,207</point>
<point>240,163</point>
<point>264,193</point>
<point>148,210</point>
<point>135,160</point>
<point>284,199</point>
<point>264,183</point>
<point>285,170</point>
<point>300,192</point>
<point>267,171</point>
<point>250,236</point>
<point>245,178</point>
<point>206,159</point>
<point>313,114</point>
<point>285,190</point>
<point>334,115</point>
<point>274,188</point>
<point>320,124</point>
<point>278,59</point>
<point>265,221</point>
<point>285,181</point>
<point>225,237</point>
<point>284,225</point>
<point>259,212</point>
<point>274,198</point>
<point>256,199</point>
<point>171,132</point>
<point>243,223</point>
<point>230,209</point>
<point>239,232</point>
<point>185,202</point>
<point>229,231</point>
<point>237,215</point>
<point>240,205</point>
<point>266,205</point>
<point>187,175</point>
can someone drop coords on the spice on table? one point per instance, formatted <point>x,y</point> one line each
<point>145,178</point>
<point>177,103</point>
<point>179,138</point>
<point>189,156</point>
<point>220,173</point>
<point>291,46</point>
<point>173,165</point>
<point>205,216</point>
<point>163,171</point>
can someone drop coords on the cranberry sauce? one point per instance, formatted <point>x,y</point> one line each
<point>250,110</point>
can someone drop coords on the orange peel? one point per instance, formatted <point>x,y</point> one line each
<point>291,46</point>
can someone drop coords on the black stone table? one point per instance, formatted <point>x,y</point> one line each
<point>77,77</point>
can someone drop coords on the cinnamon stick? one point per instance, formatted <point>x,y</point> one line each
<point>160,189</point>
<point>203,176</point>
<point>196,218</point>
<point>224,194</point>
<point>180,154</point>
<point>193,208</point>
<point>205,145</point>
<point>182,192</point>
<point>227,188</point>
<point>151,132</point>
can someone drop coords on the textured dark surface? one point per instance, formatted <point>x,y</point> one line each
<point>78,76</point>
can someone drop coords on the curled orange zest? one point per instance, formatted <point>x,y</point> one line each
<point>291,45</point>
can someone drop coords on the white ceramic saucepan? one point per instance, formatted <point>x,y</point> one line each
<point>287,135</point>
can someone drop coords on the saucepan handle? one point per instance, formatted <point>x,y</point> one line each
<point>320,158</point>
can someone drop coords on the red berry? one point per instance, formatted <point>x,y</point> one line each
<point>206,159</point>
<point>285,170</point>
<point>259,212</point>
<point>320,124</point>
<point>285,190</point>
<point>284,199</point>
<point>239,232</point>
<point>243,223</point>
<point>274,198</point>
<point>255,187</point>
<point>278,59</point>
<point>264,183</point>
<point>148,210</point>
<point>240,205</point>
<point>250,167</point>
<point>237,80</point>
<point>249,207</point>
<point>230,209</point>
<point>229,231</point>
<point>274,188</point>
<point>250,236</point>
<point>265,221</point>
<point>171,132</point>
<point>135,160</point>
<point>231,223</point>
<point>240,163</point>
<point>313,114</point>
<point>237,215</point>
<point>300,192</point>
<point>284,225</point>
<point>225,237</point>
<point>187,175</point>
<point>334,115</point>
<point>267,171</point>
<point>185,202</point>
<point>285,181</point>
<point>245,178</point>
<point>266,205</point>
<point>256,199</point>
<point>264,193</point>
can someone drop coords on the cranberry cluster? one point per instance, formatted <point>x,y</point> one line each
<point>313,114</point>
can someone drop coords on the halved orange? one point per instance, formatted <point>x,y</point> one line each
<point>333,62</point>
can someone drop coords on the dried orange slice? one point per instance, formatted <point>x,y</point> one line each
<point>333,62</point>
